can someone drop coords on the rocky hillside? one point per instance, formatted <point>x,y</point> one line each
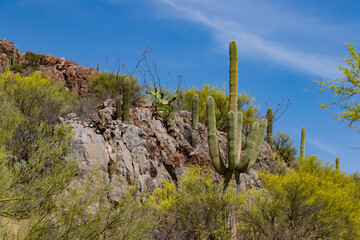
<point>144,152</point>
<point>68,72</point>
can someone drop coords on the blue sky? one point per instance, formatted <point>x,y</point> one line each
<point>283,46</point>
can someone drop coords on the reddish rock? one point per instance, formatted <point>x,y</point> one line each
<point>65,71</point>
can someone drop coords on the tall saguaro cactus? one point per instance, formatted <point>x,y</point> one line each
<point>195,121</point>
<point>302,145</point>
<point>269,116</point>
<point>235,163</point>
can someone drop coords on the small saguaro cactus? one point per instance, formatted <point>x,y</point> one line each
<point>118,108</point>
<point>337,163</point>
<point>97,68</point>
<point>126,100</point>
<point>235,163</point>
<point>14,56</point>
<point>269,131</point>
<point>195,121</point>
<point>302,145</point>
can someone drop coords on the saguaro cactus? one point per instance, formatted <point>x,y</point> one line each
<point>118,108</point>
<point>126,100</point>
<point>234,163</point>
<point>302,145</point>
<point>337,163</point>
<point>195,121</point>
<point>269,116</point>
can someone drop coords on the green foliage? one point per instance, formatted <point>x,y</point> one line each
<point>164,106</point>
<point>221,99</point>
<point>198,208</point>
<point>346,90</point>
<point>315,202</point>
<point>16,68</point>
<point>33,56</point>
<point>283,145</point>
<point>104,85</point>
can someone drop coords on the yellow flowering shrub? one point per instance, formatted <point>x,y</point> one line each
<point>314,202</point>
<point>197,208</point>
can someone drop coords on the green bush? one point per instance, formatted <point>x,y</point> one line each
<point>37,97</point>
<point>197,209</point>
<point>315,202</point>
<point>250,111</point>
<point>104,85</point>
<point>283,146</point>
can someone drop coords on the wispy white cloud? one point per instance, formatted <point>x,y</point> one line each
<point>322,146</point>
<point>265,31</point>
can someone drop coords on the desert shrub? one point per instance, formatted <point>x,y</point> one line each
<point>105,85</point>
<point>250,111</point>
<point>37,100</point>
<point>33,59</point>
<point>41,193</point>
<point>197,209</point>
<point>283,146</point>
<point>16,68</point>
<point>164,104</point>
<point>315,202</point>
<point>37,97</point>
<point>84,212</point>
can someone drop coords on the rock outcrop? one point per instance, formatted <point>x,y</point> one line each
<point>145,152</point>
<point>68,72</point>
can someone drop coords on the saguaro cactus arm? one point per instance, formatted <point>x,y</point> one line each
<point>218,164</point>
<point>254,153</point>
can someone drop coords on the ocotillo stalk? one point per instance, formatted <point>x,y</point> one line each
<point>337,163</point>
<point>126,100</point>
<point>302,145</point>
<point>195,121</point>
<point>233,163</point>
<point>118,108</point>
<point>269,116</point>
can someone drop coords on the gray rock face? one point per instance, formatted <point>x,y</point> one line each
<point>145,152</point>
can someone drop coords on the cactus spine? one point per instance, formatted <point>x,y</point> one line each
<point>126,100</point>
<point>337,164</point>
<point>269,116</point>
<point>302,146</point>
<point>233,164</point>
<point>195,121</point>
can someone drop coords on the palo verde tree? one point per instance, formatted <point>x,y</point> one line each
<point>346,90</point>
